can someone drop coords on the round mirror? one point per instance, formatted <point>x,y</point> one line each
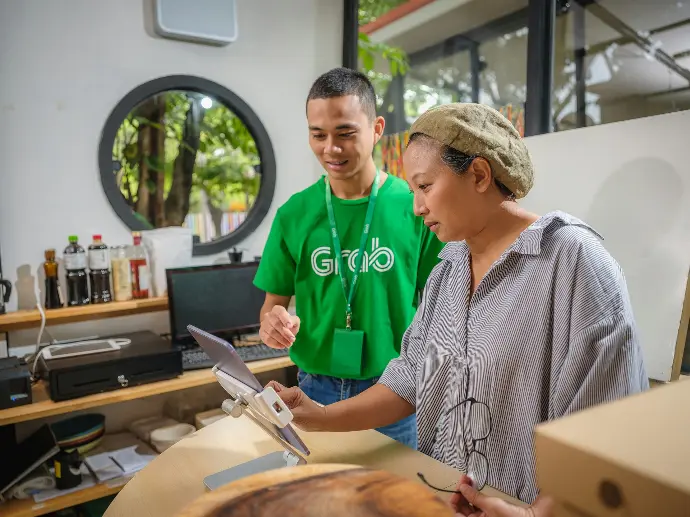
<point>185,151</point>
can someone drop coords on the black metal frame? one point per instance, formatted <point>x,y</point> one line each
<point>233,102</point>
<point>350,33</point>
<point>580,71</point>
<point>540,44</point>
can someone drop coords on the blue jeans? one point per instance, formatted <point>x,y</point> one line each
<point>329,390</point>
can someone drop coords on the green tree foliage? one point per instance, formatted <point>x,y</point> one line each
<point>370,51</point>
<point>173,156</point>
<point>369,10</point>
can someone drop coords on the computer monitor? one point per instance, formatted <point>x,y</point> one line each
<point>221,299</point>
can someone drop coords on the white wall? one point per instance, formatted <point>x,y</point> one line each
<point>65,64</point>
<point>631,181</point>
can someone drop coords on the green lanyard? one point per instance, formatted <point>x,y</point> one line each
<point>362,244</point>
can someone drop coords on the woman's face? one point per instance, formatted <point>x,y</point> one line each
<point>453,205</point>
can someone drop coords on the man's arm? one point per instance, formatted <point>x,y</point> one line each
<point>276,277</point>
<point>276,272</point>
<point>274,300</point>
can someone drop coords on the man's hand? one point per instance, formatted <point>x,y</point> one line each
<point>279,328</point>
<point>471,503</point>
<point>306,414</point>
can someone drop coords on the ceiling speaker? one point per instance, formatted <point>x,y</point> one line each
<point>212,22</point>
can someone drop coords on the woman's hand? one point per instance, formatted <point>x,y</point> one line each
<point>306,414</point>
<point>471,503</point>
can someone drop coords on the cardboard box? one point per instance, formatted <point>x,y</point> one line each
<point>627,458</point>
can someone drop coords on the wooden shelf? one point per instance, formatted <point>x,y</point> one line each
<point>29,508</point>
<point>18,320</point>
<point>43,407</point>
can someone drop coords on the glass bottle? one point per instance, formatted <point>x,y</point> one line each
<point>140,270</point>
<point>122,276</point>
<point>99,271</point>
<point>53,297</point>
<point>74,258</point>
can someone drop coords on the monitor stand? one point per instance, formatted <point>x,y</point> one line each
<point>275,460</point>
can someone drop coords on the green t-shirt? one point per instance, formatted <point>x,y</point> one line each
<point>298,260</point>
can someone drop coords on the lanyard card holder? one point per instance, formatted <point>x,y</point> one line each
<point>348,349</point>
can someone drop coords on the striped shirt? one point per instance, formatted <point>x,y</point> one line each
<point>548,331</point>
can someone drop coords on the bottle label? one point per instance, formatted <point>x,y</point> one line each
<point>122,281</point>
<point>60,297</point>
<point>143,278</point>
<point>74,261</point>
<point>99,259</point>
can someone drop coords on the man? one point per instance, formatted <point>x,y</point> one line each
<point>355,218</point>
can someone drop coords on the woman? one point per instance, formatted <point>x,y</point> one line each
<point>526,319</point>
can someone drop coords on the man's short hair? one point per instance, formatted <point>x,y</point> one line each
<point>340,82</point>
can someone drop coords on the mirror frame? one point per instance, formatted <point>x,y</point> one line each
<point>234,103</point>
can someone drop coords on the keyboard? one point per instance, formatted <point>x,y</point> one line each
<point>196,358</point>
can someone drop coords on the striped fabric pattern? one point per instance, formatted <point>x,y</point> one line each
<point>548,331</point>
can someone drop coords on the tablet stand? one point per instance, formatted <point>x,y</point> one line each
<point>288,458</point>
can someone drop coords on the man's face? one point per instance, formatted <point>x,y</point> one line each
<point>341,134</point>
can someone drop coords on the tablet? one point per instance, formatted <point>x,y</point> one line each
<point>229,361</point>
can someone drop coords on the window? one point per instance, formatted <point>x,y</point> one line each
<point>503,66</point>
<point>618,60</point>
<point>613,59</point>
<point>472,51</point>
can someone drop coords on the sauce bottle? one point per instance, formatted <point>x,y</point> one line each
<point>74,258</point>
<point>53,297</point>
<point>99,271</point>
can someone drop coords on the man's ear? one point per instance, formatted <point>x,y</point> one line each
<point>379,126</point>
<point>483,176</point>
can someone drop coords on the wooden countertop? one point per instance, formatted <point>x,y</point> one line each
<point>175,478</point>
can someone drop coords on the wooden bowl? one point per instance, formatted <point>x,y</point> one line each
<point>327,490</point>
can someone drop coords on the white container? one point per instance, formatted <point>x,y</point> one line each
<point>167,248</point>
<point>208,417</point>
<point>143,427</point>
<point>165,437</point>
